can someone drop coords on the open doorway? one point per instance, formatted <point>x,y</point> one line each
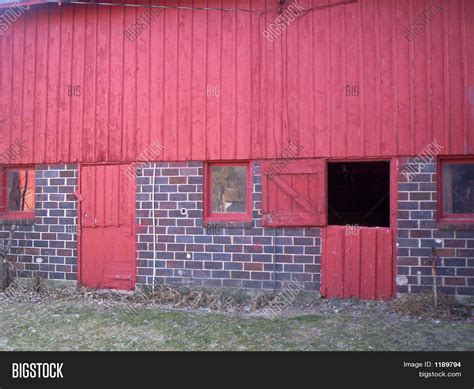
<point>359,193</point>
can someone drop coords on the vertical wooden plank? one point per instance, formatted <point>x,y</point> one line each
<point>368,85</point>
<point>368,263</point>
<point>171,71</point>
<point>129,112</point>
<point>88,193</point>
<point>278,91</point>
<point>102,83</point>
<point>334,262</point>
<point>292,75</point>
<point>388,108</point>
<point>213,80</point>
<point>422,132</point>
<point>124,187</point>
<point>353,69</point>
<point>321,72</point>
<point>338,127</point>
<point>184,136</point>
<point>455,75</point>
<point>19,28</point>
<point>29,86</point>
<point>116,87</point>
<point>156,85</point>
<point>306,83</point>
<point>101,195</point>
<point>228,136</point>
<point>352,258</point>
<point>89,85</point>
<point>268,146</point>
<point>437,66</point>
<point>54,40</point>
<point>140,136</point>
<point>384,276</point>
<point>403,18</point>
<point>41,80</point>
<point>110,191</point>
<point>77,79</point>
<point>65,100</point>
<point>255,78</point>
<point>6,90</point>
<point>243,83</point>
<point>199,98</point>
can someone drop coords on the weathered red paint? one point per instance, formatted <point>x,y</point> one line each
<point>156,87</point>
<point>357,264</point>
<point>294,193</point>
<point>107,235</point>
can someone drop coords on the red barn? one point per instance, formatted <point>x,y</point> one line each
<point>241,144</point>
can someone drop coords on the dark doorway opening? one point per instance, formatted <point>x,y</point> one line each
<point>359,193</point>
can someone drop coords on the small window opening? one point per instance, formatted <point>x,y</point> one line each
<point>18,194</point>
<point>457,189</point>
<point>359,193</point>
<point>228,193</point>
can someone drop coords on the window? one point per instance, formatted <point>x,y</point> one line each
<point>18,193</point>
<point>228,192</point>
<point>456,189</point>
<point>359,193</point>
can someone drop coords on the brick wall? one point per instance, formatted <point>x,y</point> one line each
<point>418,231</point>
<point>52,235</point>
<point>243,256</point>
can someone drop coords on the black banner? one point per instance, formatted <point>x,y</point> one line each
<point>316,370</point>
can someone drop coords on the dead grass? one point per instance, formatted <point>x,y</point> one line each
<point>192,320</point>
<point>163,296</point>
<point>423,305</point>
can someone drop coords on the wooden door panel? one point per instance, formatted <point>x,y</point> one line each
<point>107,220</point>
<point>357,264</point>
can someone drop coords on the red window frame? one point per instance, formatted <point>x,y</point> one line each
<point>451,218</point>
<point>4,213</point>
<point>210,216</point>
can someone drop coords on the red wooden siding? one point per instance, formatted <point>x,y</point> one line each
<point>295,194</point>
<point>155,87</point>
<point>359,264</point>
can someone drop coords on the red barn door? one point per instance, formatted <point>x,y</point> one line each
<point>357,262</point>
<point>107,227</point>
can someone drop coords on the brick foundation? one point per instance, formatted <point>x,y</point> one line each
<point>244,256</point>
<point>418,231</point>
<point>52,235</point>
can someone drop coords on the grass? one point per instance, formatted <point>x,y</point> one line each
<point>67,325</point>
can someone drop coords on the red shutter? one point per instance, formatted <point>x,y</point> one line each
<point>294,193</point>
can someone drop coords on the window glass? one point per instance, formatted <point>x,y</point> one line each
<point>229,189</point>
<point>20,190</point>
<point>458,188</point>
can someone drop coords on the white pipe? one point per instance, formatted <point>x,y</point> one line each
<point>154,226</point>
